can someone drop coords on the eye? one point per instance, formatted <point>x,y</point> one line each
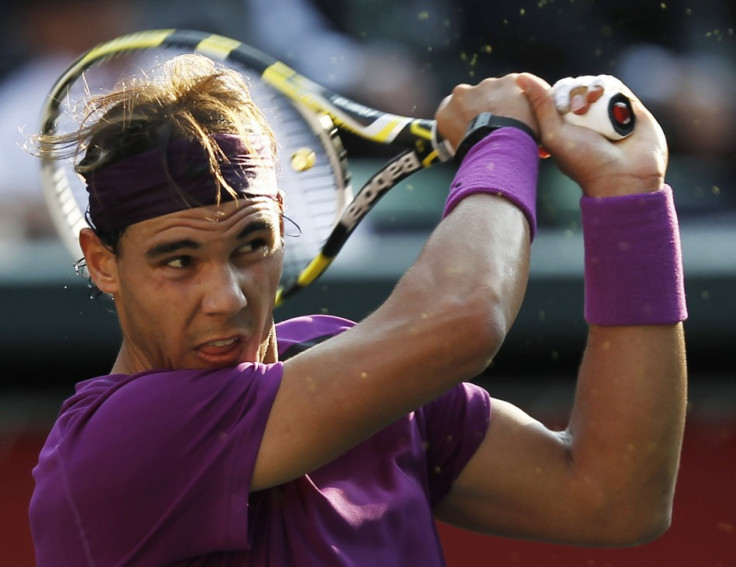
<point>179,262</point>
<point>256,246</point>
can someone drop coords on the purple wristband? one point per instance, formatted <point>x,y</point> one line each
<point>633,261</point>
<point>505,163</point>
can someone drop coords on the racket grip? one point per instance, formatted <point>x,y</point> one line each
<point>611,116</point>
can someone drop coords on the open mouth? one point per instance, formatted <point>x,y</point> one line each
<point>222,343</point>
<point>221,351</point>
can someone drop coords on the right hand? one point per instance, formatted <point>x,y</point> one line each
<point>601,167</point>
<point>500,96</point>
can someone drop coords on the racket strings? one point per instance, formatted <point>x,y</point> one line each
<point>314,193</point>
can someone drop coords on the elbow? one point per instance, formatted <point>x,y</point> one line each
<point>655,530</point>
<point>643,515</point>
<point>638,537</point>
<point>642,531</point>
<point>477,331</point>
<point>652,522</point>
<point>632,525</point>
<point>462,324</point>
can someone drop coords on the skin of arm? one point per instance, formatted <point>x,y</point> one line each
<point>442,324</point>
<point>608,479</point>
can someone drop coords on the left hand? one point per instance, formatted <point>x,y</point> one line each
<point>501,96</point>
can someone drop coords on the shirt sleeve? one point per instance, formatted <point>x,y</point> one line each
<point>454,425</point>
<point>173,454</point>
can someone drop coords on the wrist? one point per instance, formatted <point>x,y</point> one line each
<point>504,163</point>
<point>633,261</point>
<point>485,124</point>
<point>623,185</point>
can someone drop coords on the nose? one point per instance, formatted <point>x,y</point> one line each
<point>223,292</point>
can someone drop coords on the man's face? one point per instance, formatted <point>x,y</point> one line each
<point>196,288</point>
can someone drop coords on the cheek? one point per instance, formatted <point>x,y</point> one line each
<point>156,324</point>
<point>149,305</point>
<point>276,269</point>
<point>262,283</point>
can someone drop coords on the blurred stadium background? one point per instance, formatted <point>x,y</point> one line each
<point>680,58</point>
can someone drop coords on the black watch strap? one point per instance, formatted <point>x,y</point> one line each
<point>484,124</point>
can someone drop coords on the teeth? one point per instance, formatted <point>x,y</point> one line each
<point>222,343</point>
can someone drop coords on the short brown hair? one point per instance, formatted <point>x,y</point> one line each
<point>187,97</point>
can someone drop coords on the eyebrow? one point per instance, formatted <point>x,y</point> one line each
<point>174,246</point>
<point>255,226</point>
<point>189,244</point>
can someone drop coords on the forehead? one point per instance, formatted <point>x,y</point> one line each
<point>222,221</point>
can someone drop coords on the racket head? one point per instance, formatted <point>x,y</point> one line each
<point>313,171</point>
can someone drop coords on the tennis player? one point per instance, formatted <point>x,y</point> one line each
<point>219,438</point>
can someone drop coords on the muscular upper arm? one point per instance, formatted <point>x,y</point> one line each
<point>520,483</point>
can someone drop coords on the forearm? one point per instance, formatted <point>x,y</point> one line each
<point>466,288</point>
<point>475,266</point>
<point>627,422</point>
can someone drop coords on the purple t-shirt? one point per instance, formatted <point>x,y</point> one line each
<point>154,469</point>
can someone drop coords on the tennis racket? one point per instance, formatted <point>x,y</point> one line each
<point>306,118</point>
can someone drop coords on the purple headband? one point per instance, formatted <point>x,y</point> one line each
<point>151,184</point>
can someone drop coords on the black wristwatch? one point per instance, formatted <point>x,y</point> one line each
<point>484,124</point>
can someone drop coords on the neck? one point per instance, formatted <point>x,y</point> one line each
<point>269,352</point>
<point>125,362</point>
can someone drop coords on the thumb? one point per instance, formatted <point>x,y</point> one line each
<point>538,93</point>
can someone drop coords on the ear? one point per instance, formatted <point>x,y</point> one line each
<point>101,262</point>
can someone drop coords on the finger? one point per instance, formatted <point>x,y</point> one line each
<point>579,99</point>
<point>443,103</point>
<point>577,93</point>
<point>595,92</point>
<point>537,92</point>
<point>561,93</point>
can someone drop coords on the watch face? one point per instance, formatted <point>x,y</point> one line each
<point>485,119</point>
